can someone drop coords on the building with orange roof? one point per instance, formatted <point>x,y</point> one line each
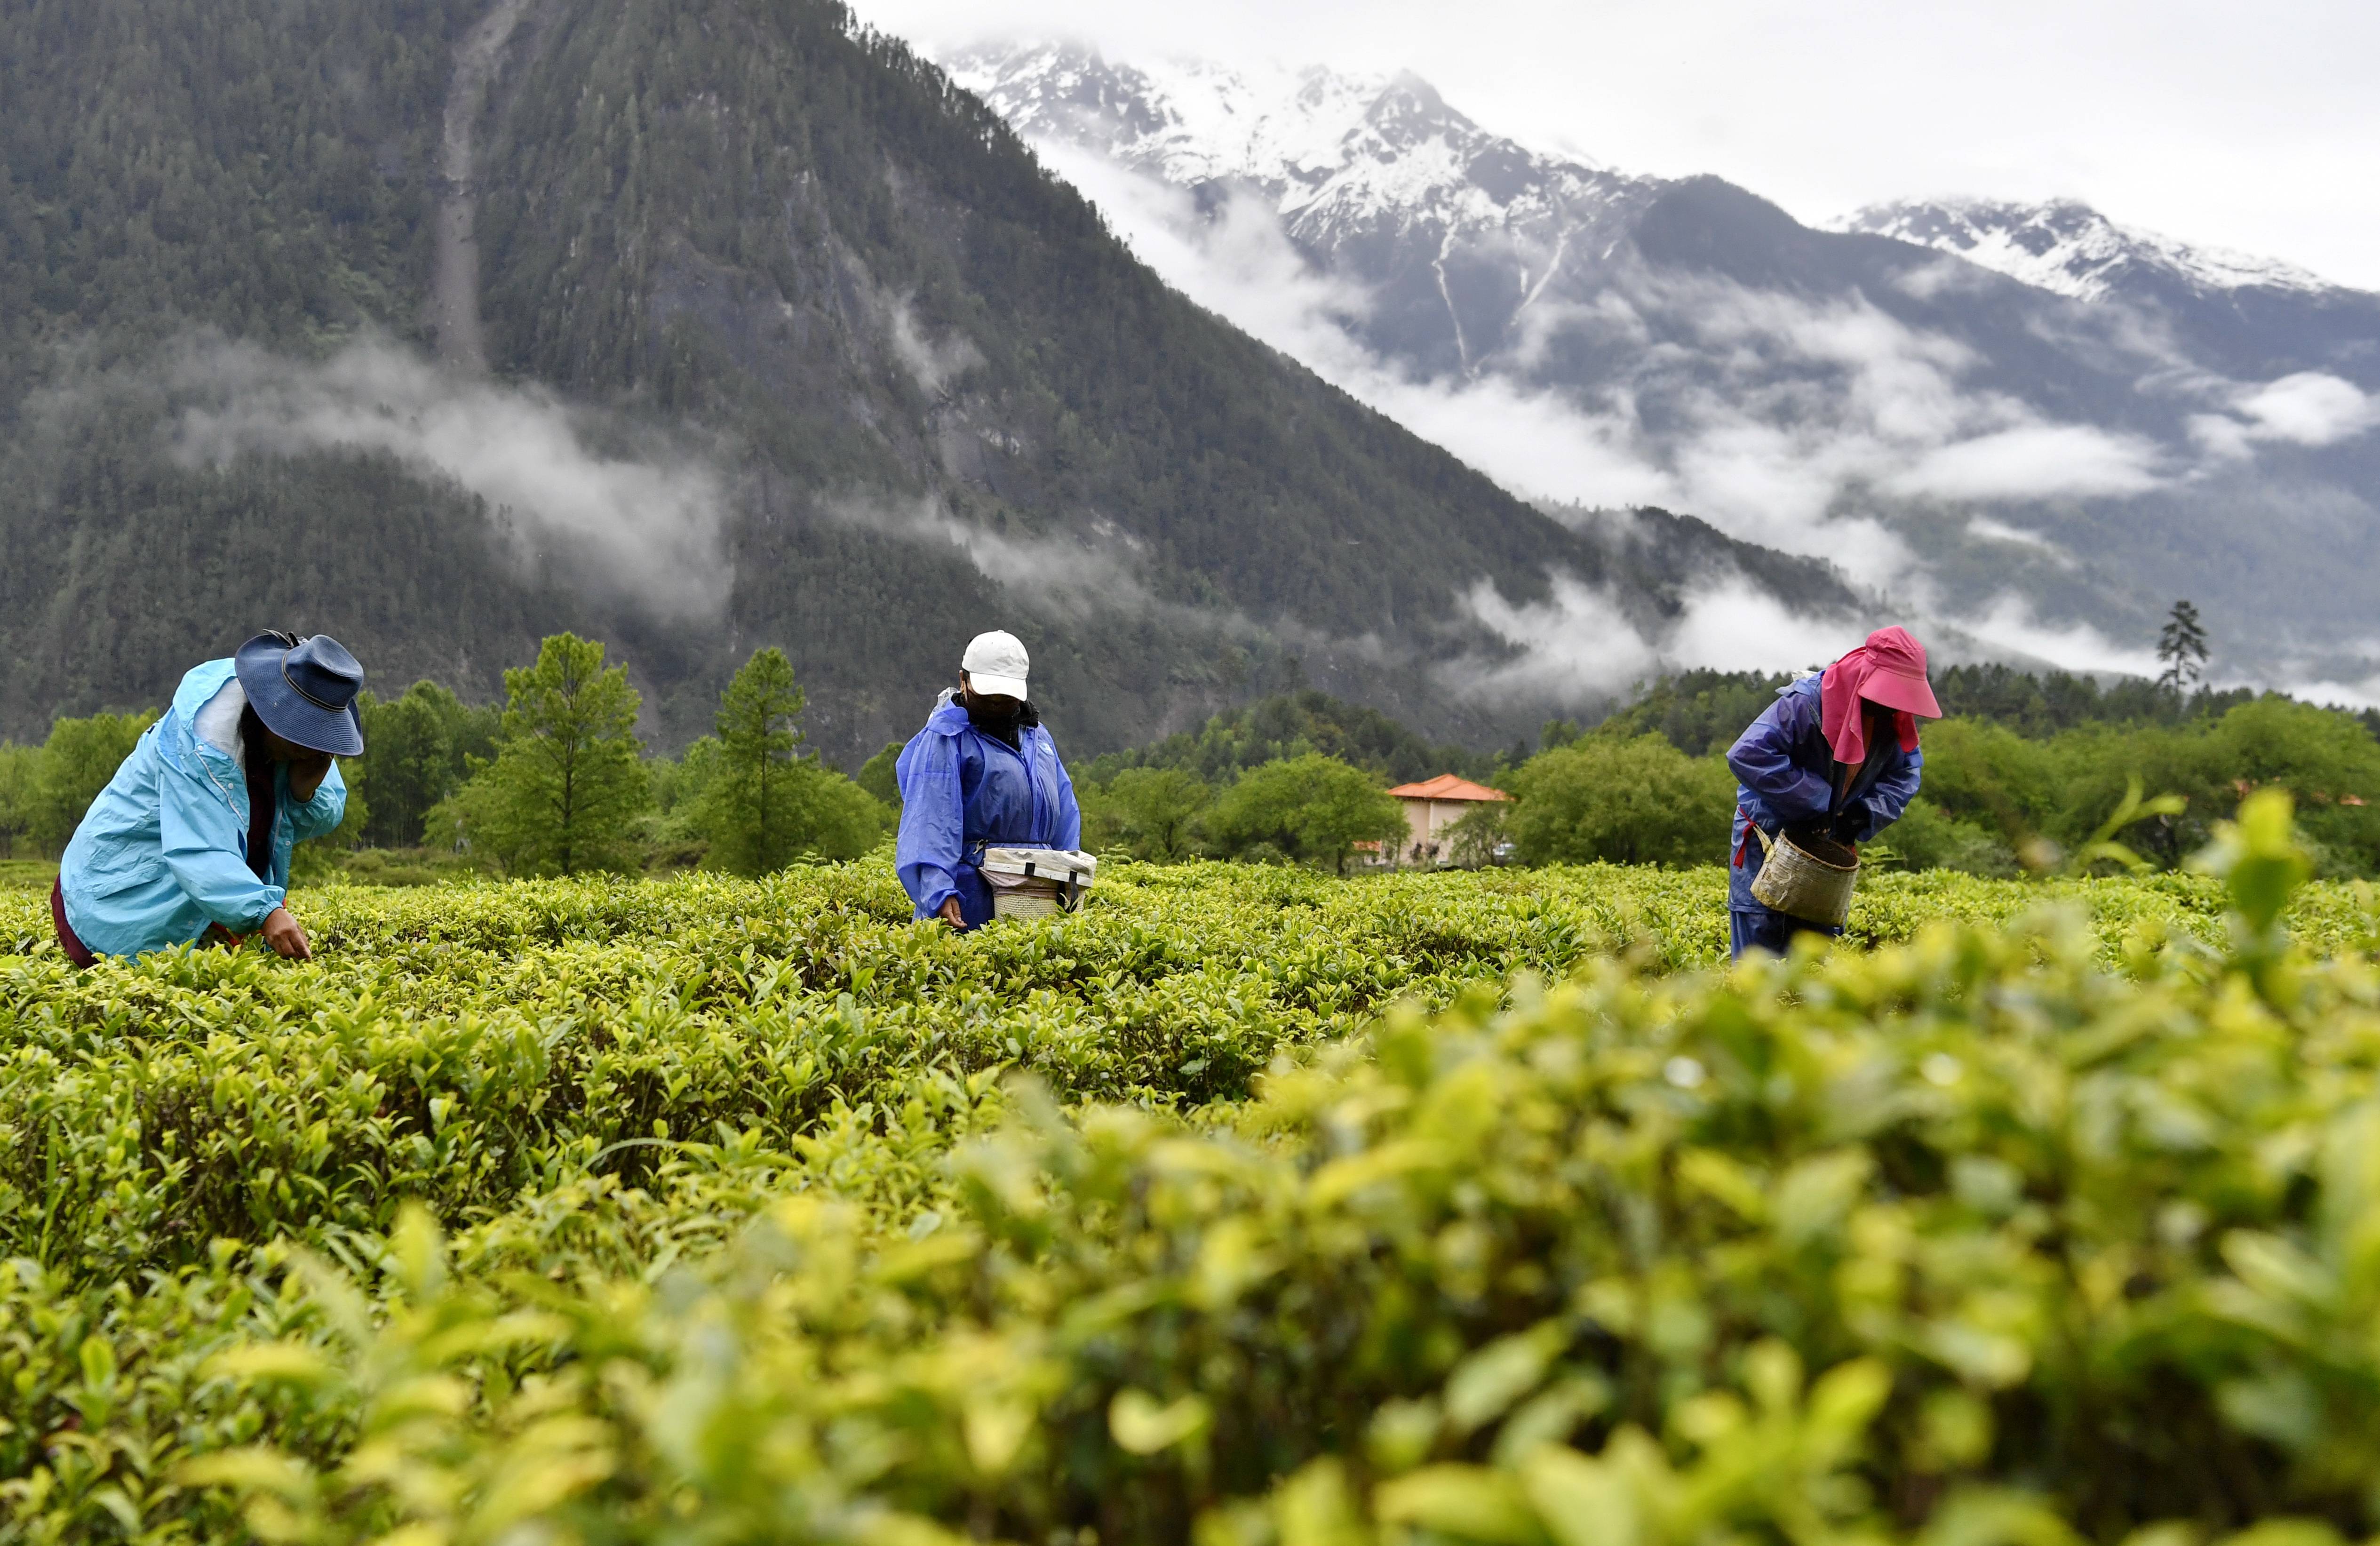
<point>1431,807</point>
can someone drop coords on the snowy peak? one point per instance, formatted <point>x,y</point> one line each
<point>1187,121</point>
<point>1364,146</point>
<point>2071,249</point>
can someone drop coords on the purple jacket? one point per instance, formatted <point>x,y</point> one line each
<point>1785,773</point>
<point>962,791</point>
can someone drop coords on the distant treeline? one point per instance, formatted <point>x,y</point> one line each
<point>2025,772</point>
<point>555,781</point>
<point>2026,769</point>
<point>1702,712</point>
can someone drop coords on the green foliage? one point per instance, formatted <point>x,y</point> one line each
<point>20,768</point>
<point>837,818</point>
<point>566,788</point>
<point>2181,648</point>
<point>680,784</point>
<point>738,219</point>
<point>77,761</point>
<point>2044,703</point>
<point>1928,837</point>
<point>2035,1226</point>
<point>758,803</point>
<point>1701,712</point>
<point>1636,800</point>
<point>880,775</point>
<point>2028,769</point>
<point>1480,834</point>
<point>314,860</point>
<point>749,805</point>
<point>1290,726</point>
<point>1152,813</point>
<point>1313,809</point>
<point>418,750</point>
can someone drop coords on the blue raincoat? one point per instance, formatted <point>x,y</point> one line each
<point>1786,773</point>
<point>162,852</point>
<point>963,791</point>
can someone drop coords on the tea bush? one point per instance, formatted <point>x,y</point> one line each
<point>722,1211</point>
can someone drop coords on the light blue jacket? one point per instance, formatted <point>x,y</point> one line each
<point>962,791</point>
<point>162,852</point>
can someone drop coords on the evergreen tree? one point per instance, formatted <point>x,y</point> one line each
<point>751,806</point>
<point>412,759</point>
<point>566,787</point>
<point>19,767</point>
<point>880,776</point>
<point>2182,648</point>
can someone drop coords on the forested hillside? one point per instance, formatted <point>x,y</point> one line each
<point>791,342</point>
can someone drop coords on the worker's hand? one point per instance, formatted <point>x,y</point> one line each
<point>305,775</point>
<point>286,935</point>
<point>950,914</point>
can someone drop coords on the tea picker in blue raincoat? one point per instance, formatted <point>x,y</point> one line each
<point>1835,759</point>
<point>191,838</point>
<point>982,773</point>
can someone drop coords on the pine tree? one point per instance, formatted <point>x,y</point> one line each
<point>2182,648</point>
<point>751,807</point>
<point>20,769</point>
<point>566,787</point>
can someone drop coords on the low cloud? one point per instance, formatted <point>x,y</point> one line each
<point>2032,461</point>
<point>2307,409</point>
<point>1070,577</point>
<point>1985,528</point>
<point>931,363</point>
<point>1820,426</point>
<point>1233,258</point>
<point>2010,626</point>
<point>1778,418</point>
<point>649,528</point>
<point>1579,644</point>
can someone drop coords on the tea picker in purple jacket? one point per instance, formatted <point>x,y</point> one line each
<point>1834,757</point>
<point>983,773</point>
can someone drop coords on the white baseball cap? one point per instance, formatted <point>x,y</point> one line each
<point>996,665</point>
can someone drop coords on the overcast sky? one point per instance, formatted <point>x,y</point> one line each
<point>2255,126</point>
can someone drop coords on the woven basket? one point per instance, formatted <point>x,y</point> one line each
<point>1799,883</point>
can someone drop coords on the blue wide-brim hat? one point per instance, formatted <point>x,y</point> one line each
<point>304,691</point>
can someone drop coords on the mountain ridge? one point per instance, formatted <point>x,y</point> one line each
<point>2044,456</point>
<point>788,341</point>
<point>2070,249</point>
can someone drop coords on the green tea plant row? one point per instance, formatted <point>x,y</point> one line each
<point>1815,1249</point>
<point>458,1046</point>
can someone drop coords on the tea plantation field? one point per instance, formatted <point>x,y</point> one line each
<point>1249,1207</point>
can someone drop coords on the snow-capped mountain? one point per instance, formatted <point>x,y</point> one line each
<point>2071,249</point>
<point>1454,231</point>
<point>2027,418</point>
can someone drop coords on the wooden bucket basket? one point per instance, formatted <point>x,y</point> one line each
<point>1799,883</point>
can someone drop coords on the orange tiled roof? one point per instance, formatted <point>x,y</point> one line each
<point>1445,787</point>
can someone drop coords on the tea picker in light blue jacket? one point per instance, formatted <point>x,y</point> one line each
<point>982,772</point>
<point>192,836</point>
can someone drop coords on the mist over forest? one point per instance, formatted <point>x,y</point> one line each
<point>767,335</point>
